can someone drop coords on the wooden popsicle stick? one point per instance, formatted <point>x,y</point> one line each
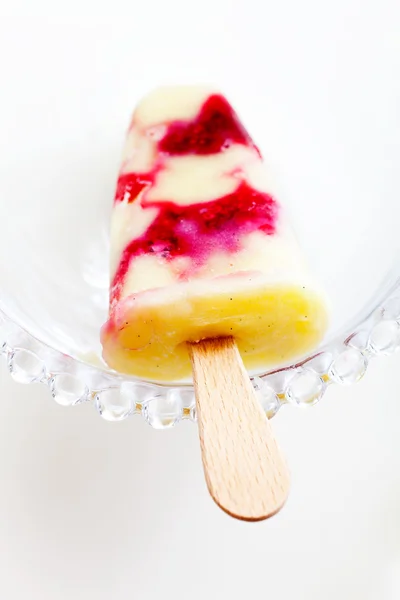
<point>245,471</point>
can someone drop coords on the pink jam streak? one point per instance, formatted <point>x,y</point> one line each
<point>197,230</point>
<point>130,185</point>
<point>200,229</point>
<point>215,128</point>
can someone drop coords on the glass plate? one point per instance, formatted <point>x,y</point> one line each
<point>326,120</point>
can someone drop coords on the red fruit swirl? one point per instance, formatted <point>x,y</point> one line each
<point>197,230</point>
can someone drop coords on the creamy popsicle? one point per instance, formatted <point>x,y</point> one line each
<point>200,246</point>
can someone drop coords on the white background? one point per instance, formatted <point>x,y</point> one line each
<point>93,510</point>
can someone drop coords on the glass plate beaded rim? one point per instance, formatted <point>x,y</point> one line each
<point>343,359</point>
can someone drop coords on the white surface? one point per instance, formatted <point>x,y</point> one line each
<point>92,510</point>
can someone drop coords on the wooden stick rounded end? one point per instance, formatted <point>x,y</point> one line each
<point>245,471</point>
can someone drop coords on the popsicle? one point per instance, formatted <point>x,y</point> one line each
<point>201,247</point>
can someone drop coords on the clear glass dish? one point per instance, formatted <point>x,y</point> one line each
<point>331,141</point>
